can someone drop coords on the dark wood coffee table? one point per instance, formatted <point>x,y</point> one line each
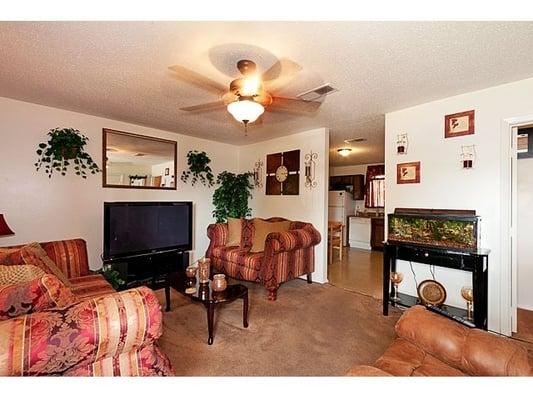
<point>209,298</point>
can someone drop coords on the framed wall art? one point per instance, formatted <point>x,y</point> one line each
<point>408,172</point>
<point>283,173</point>
<point>459,124</point>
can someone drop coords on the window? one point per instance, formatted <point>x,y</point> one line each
<point>375,186</point>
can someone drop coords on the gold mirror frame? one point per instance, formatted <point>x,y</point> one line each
<point>105,131</point>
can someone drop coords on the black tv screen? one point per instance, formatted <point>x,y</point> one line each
<point>133,228</point>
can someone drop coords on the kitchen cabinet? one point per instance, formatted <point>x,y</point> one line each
<point>377,233</point>
<point>355,184</point>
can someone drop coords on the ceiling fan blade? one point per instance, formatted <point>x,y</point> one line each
<point>197,79</point>
<point>280,74</point>
<point>293,105</point>
<point>204,107</point>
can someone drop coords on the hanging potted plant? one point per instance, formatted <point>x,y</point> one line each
<point>231,197</point>
<point>199,168</point>
<point>64,148</point>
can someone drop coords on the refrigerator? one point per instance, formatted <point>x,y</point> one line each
<point>341,205</point>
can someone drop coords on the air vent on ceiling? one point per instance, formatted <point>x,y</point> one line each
<point>317,92</point>
<point>355,140</point>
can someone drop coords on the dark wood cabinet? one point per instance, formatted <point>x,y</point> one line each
<point>377,233</point>
<point>356,183</point>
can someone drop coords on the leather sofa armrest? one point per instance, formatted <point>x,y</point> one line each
<point>54,341</point>
<point>473,351</point>
<point>366,370</point>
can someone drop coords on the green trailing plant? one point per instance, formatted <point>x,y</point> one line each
<point>231,197</point>
<point>112,276</point>
<point>65,148</point>
<point>199,169</point>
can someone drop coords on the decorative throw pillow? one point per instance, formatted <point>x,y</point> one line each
<point>10,274</point>
<point>36,295</point>
<point>33,254</point>
<point>262,229</point>
<point>247,234</point>
<point>234,232</point>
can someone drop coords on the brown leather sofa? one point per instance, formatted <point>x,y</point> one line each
<point>429,344</point>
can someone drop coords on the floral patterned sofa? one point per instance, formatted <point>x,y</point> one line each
<point>81,327</point>
<point>287,255</point>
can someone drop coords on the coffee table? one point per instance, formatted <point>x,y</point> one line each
<point>209,298</point>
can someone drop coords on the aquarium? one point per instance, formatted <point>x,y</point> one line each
<point>448,230</point>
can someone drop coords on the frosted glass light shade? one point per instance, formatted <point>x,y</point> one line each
<point>245,110</point>
<point>344,152</point>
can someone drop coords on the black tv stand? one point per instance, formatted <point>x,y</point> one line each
<point>149,269</point>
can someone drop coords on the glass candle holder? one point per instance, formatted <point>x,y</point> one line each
<point>191,272</point>
<point>468,294</point>
<point>396,278</point>
<point>204,269</point>
<point>219,283</point>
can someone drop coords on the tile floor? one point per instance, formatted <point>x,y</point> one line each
<point>360,271</point>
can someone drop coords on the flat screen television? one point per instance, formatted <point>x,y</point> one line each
<point>136,228</point>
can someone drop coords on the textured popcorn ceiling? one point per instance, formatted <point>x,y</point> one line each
<point>119,70</point>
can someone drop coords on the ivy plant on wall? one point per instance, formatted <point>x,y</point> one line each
<point>199,169</point>
<point>231,197</point>
<point>65,148</point>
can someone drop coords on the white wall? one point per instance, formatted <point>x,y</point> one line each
<point>443,183</point>
<point>349,169</point>
<point>42,209</point>
<point>524,236</point>
<point>311,204</point>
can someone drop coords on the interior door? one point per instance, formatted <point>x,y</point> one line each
<point>514,222</point>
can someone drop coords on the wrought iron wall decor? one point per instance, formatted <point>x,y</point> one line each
<point>258,174</point>
<point>468,156</point>
<point>310,169</point>
<point>402,143</point>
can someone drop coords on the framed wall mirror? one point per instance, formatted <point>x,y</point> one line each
<point>138,162</point>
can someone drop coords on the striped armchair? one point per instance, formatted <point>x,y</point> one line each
<point>287,255</point>
<point>79,325</point>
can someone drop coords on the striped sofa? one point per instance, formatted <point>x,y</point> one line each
<point>99,332</point>
<point>287,255</point>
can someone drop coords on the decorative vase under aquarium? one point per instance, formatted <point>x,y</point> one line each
<point>454,229</point>
<point>396,278</point>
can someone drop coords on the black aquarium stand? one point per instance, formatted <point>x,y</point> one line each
<point>474,261</point>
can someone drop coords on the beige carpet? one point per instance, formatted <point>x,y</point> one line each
<point>310,330</point>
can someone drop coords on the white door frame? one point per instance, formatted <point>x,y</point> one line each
<point>508,218</point>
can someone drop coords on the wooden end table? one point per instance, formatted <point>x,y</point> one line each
<point>201,292</point>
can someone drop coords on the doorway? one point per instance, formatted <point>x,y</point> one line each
<point>522,193</point>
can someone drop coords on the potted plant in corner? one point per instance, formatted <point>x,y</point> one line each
<point>64,148</point>
<point>231,197</point>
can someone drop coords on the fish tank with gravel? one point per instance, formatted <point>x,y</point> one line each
<point>452,229</point>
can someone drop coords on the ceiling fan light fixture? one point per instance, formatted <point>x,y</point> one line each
<point>245,111</point>
<point>345,152</point>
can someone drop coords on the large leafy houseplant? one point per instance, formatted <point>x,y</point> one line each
<point>64,148</point>
<point>231,197</point>
<point>199,168</point>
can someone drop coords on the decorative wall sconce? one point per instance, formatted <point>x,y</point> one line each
<point>468,156</point>
<point>402,143</point>
<point>310,169</point>
<point>258,173</point>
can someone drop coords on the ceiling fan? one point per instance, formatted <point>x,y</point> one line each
<point>247,97</point>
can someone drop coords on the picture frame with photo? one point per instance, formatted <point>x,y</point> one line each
<point>408,172</point>
<point>459,124</point>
